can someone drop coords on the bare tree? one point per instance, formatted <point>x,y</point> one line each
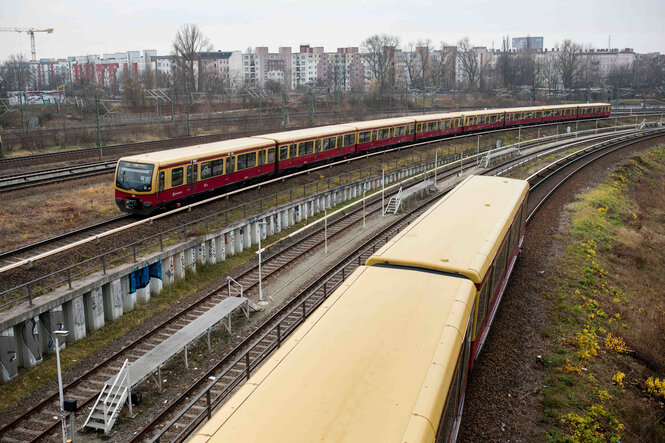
<point>16,74</point>
<point>546,73</point>
<point>567,62</point>
<point>443,66</point>
<point>472,63</point>
<point>339,75</point>
<point>188,42</point>
<point>648,74</point>
<point>588,73</point>
<point>418,64</point>
<point>380,56</point>
<point>132,89</point>
<point>618,78</point>
<point>506,66</point>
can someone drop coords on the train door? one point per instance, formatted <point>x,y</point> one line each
<point>261,161</point>
<point>192,176</point>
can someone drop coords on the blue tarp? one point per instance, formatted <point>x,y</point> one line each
<point>139,279</point>
<point>156,270</point>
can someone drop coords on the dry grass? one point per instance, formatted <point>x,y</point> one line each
<point>29,218</point>
<point>609,312</point>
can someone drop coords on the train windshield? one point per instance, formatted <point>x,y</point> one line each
<point>137,176</point>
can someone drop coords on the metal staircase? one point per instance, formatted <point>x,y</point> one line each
<point>109,403</point>
<point>394,203</point>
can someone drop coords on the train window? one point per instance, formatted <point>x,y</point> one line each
<point>383,134</point>
<point>364,136</point>
<point>452,401</point>
<point>374,135</point>
<point>482,302</point>
<point>340,141</point>
<point>349,139</point>
<point>206,170</point>
<point>217,167</point>
<point>305,148</point>
<point>493,119</point>
<point>318,145</point>
<point>283,152</point>
<point>241,162</point>
<point>431,126</point>
<point>500,117</point>
<point>292,151</point>
<point>271,155</point>
<point>176,177</point>
<point>524,215</point>
<point>392,132</point>
<point>161,180</point>
<point>262,157</point>
<point>246,160</point>
<point>499,265</point>
<point>326,144</point>
<point>419,128</point>
<point>230,165</point>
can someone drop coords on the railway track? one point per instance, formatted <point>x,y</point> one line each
<point>38,423</point>
<point>12,182</point>
<point>49,244</point>
<point>183,415</point>
<point>119,150</point>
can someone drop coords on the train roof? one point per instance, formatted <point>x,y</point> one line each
<point>461,232</point>
<point>484,111</point>
<point>302,134</point>
<point>197,152</point>
<point>439,116</point>
<point>593,104</point>
<point>371,124</point>
<point>374,362</point>
<point>539,108</point>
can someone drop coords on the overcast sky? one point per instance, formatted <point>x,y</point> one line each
<point>103,26</point>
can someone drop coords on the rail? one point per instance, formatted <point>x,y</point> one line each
<point>157,241</point>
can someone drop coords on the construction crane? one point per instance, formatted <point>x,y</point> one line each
<point>31,33</point>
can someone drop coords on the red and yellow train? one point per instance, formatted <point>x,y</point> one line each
<point>146,183</point>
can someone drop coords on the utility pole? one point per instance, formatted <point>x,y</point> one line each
<point>99,132</point>
<point>406,96</point>
<point>21,99</point>
<point>284,117</point>
<point>311,110</point>
<point>172,105</point>
<point>189,131</point>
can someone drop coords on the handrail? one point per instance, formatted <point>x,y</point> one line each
<point>124,374</point>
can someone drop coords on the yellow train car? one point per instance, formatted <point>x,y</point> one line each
<point>302,146</point>
<point>475,231</point>
<point>435,125</point>
<point>374,134</point>
<point>385,357</point>
<point>147,182</point>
